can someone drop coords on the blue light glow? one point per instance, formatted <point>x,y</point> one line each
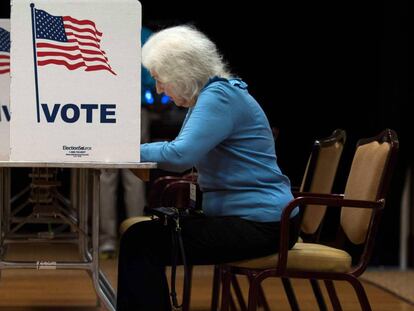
<point>165,100</point>
<point>149,99</point>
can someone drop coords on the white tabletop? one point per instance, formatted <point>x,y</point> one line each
<point>97,165</point>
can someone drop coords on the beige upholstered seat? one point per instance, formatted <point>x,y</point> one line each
<point>304,256</point>
<point>361,208</point>
<point>130,221</point>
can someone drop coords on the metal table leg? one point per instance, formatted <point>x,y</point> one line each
<point>102,286</point>
<point>89,257</point>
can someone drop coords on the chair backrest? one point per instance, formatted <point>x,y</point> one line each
<point>368,179</point>
<point>154,198</point>
<point>320,175</point>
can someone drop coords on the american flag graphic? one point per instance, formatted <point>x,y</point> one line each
<point>69,42</point>
<point>4,51</point>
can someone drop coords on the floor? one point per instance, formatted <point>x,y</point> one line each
<point>47,290</point>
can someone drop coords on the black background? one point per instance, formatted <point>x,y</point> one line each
<point>314,67</point>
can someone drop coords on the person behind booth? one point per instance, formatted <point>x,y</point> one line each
<point>133,187</point>
<point>227,138</point>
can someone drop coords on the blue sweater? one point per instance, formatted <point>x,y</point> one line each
<point>227,137</point>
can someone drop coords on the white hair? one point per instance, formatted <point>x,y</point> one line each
<point>184,56</point>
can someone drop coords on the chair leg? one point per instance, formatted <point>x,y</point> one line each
<point>253,293</point>
<point>318,295</point>
<point>361,294</point>
<point>262,302</point>
<point>290,293</point>
<point>216,292</point>
<point>238,293</point>
<point>332,295</point>
<point>216,288</point>
<point>232,304</point>
<point>187,291</point>
<point>261,299</point>
<point>225,275</point>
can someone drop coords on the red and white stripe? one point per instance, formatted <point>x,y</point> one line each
<point>4,62</point>
<point>83,49</point>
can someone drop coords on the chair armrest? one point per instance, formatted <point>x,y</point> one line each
<point>319,195</point>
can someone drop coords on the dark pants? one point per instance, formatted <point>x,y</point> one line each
<point>146,249</point>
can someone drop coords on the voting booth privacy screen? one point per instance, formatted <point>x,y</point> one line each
<point>4,89</point>
<point>75,82</point>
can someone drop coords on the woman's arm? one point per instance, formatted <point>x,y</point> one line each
<point>210,122</point>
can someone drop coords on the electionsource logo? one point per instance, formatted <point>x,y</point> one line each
<point>74,44</point>
<point>76,151</point>
<point>76,148</point>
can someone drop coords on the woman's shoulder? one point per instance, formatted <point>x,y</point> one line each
<point>215,82</point>
<point>226,85</point>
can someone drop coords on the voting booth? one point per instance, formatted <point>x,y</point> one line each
<point>70,78</point>
<point>4,89</point>
<point>75,83</point>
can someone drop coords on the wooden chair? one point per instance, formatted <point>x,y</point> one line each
<point>361,208</point>
<point>155,196</point>
<point>157,199</point>
<point>319,177</point>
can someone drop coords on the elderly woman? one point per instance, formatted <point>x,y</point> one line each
<point>227,138</point>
